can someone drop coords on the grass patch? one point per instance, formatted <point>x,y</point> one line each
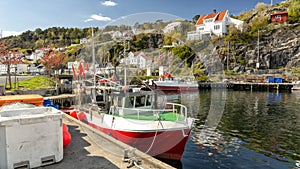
<point>36,82</point>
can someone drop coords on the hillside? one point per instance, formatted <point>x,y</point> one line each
<point>261,45</point>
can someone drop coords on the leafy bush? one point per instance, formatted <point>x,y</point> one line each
<point>241,60</point>
<point>258,23</point>
<point>296,71</point>
<point>229,72</point>
<point>200,75</point>
<point>294,12</point>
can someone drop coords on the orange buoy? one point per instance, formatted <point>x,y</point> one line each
<point>66,135</point>
<point>65,127</point>
<point>66,138</point>
<point>74,114</point>
<point>82,117</point>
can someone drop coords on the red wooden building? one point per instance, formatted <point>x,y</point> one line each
<point>279,17</point>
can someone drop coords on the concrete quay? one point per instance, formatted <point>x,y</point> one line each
<point>91,149</point>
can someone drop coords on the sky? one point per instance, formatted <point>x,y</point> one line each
<point>17,16</point>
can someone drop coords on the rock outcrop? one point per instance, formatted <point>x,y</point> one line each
<point>279,48</point>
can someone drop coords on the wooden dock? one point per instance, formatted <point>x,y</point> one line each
<point>63,101</point>
<point>212,85</point>
<point>247,86</point>
<point>263,86</point>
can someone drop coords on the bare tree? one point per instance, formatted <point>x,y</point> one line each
<point>8,58</point>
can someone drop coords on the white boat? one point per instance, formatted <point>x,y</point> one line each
<point>296,85</point>
<point>174,84</point>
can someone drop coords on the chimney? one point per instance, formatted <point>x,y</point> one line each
<point>214,11</point>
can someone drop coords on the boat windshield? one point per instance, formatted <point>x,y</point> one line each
<point>138,101</point>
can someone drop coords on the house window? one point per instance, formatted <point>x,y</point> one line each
<point>208,20</point>
<point>278,16</point>
<point>217,27</point>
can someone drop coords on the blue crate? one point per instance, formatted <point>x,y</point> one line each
<point>271,79</point>
<point>278,80</point>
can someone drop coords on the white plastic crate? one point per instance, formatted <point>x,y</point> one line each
<point>30,137</point>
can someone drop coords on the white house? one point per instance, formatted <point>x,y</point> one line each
<point>21,68</point>
<point>214,24</point>
<point>3,69</point>
<point>138,59</point>
<point>35,55</point>
<point>171,26</point>
<point>84,40</point>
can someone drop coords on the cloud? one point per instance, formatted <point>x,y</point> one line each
<point>10,33</point>
<point>109,3</point>
<point>88,20</point>
<point>98,18</point>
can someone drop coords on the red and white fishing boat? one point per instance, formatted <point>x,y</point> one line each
<point>139,118</point>
<point>174,84</point>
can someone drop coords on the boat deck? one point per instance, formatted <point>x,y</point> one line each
<point>90,148</point>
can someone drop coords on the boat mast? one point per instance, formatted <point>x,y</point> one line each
<point>125,72</point>
<point>93,53</point>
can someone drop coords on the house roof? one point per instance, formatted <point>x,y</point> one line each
<point>218,16</point>
<point>148,58</point>
<point>280,13</point>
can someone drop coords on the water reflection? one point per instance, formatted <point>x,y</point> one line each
<point>255,130</point>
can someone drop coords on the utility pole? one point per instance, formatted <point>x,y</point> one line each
<point>228,55</point>
<point>257,64</point>
<point>15,76</point>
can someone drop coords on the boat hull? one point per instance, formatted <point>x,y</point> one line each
<point>161,144</point>
<point>180,88</point>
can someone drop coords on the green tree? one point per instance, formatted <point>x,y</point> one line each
<point>294,12</point>
<point>185,53</point>
<point>258,23</point>
<point>195,18</point>
<point>260,6</point>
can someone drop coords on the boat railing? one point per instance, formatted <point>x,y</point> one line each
<point>182,108</point>
<point>172,112</point>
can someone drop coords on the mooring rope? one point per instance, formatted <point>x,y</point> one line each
<point>154,137</point>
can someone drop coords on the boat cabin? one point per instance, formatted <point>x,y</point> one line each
<point>125,103</point>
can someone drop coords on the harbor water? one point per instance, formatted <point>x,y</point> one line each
<point>240,129</point>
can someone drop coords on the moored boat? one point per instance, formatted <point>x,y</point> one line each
<point>138,118</point>
<point>174,84</point>
<point>296,86</point>
<point>135,115</point>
